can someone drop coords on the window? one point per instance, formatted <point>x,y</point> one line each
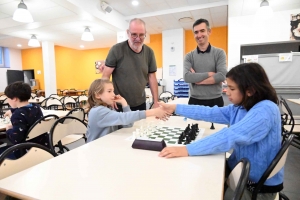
<point>1,57</point>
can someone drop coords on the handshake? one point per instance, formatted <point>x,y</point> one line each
<point>161,111</point>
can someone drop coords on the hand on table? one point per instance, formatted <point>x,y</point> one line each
<point>7,114</point>
<point>172,152</point>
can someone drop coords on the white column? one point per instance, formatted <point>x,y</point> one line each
<point>173,55</point>
<point>49,68</point>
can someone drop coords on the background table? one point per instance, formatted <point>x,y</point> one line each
<point>297,101</point>
<point>108,168</point>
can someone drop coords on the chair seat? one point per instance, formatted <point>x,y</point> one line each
<point>70,139</point>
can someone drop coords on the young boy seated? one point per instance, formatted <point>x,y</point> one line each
<point>22,113</point>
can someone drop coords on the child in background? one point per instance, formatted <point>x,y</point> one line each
<point>254,131</point>
<point>22,114</point>
<point>103,119</point>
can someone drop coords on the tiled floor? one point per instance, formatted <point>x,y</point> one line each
<point>292,174</point>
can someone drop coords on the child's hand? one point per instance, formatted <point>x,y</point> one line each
<point>7,114</point>
<point>9,126</point>
<point>170,108</point>
<point>162,114</point>
<point>121,100</point>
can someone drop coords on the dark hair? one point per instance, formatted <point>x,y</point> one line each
<point>253,78</point>
<point>19,90</point>
<point>200,21</point>
<point>97,87</point>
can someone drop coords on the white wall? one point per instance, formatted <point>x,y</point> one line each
<point>15,64</point>
<point>172,39</point>
<point>246,30</point>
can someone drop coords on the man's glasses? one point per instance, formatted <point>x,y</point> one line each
<point>135,35</point>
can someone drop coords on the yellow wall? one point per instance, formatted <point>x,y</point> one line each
<point>218,38</point>
<point>76,68</point>
<point>156,45</point>
<point>33,59</point>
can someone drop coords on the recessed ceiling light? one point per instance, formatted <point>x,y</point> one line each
<point>135,3</point>
<point>185,19</point>
<point>81,46</point>
<point>19,45</point>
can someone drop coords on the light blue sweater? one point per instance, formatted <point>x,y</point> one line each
<point>255,134</point>
<point>103,121</point>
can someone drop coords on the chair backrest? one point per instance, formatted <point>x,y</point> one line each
<point>76,112</point>
<point>53,104</point>
<point>54,96</point>
<point>166,96</point>
<point>43,125</point>
<point>33,95</point>
<point>289,115</point>
<point>2,97</point>
<point>82,98</point>
<point>35,155</point>
<point>238,178</point>
<point>60,129</point>
<point>276,165</point>
<point>69,102</point>
<point>43,102</point>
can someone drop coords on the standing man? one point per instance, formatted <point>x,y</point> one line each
<point>205,68</point>
<point>132,65</point>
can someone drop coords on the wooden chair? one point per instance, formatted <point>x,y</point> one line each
<point>60,130</point>
<point>237,179</point>
<point>35,155</point>
<point>275,166</point>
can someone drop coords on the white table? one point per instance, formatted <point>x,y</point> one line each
<point>108,168</point>
<point>296,101</point>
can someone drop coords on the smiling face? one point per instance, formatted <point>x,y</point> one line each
<point>136,35</point>
<point>107,95</point>
<point>201,34</point>
<point>233,92</point>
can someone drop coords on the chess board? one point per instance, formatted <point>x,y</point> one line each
<point>169,134</point>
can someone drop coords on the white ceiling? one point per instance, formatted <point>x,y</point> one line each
<point>63,21</point>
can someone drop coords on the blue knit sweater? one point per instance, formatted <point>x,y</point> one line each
<point>103,120</point>
<point>255,134</point>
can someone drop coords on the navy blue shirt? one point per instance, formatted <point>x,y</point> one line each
<point>22,119</point>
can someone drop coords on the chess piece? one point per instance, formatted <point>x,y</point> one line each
<point>212,126</point>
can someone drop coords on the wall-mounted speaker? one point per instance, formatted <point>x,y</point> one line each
<point>106,7</point>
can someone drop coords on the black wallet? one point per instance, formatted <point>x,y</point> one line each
<point>149,145</point>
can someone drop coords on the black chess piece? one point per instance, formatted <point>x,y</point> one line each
<point>212,126</point>
<point>187,129</point>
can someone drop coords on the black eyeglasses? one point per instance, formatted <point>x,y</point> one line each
<point>135,35</point>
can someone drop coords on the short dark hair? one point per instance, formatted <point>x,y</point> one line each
<point>252,77</point>
<point>200,21</point>
<point>19,90</point>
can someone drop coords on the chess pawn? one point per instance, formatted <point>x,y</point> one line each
<point>212,126</point>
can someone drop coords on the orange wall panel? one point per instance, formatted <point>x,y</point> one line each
<point>156,45</point>
<point>33,59</point>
